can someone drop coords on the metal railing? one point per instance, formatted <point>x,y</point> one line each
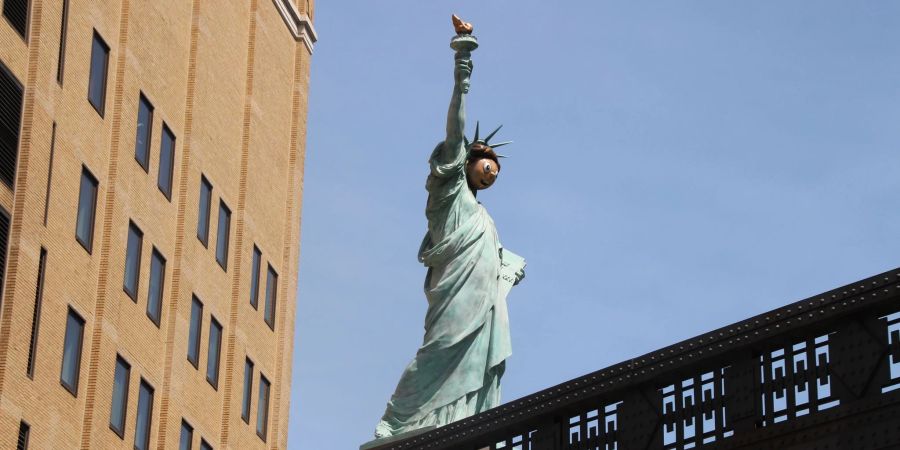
<point>821,373</point>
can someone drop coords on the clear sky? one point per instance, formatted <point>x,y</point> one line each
<point>677,166</point>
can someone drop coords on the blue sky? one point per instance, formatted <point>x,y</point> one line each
<point>677,166</point>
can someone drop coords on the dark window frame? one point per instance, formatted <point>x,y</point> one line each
<point>73,386</point>
<point>214,324</point>
<point>93,216</point>
<point>24,435</point>
<point>223,259</point>
<point>270,308</point>
<point>247,401</point>
<point>50,172</point>
<point>162,285</point>
<point>36,314</point>
<point>120,431</point>
<point>195,347</point>
<point>203,232</point>
<point>205,445</point>
<point>23,32</point>
<point>101,108</point>
<point>185,425</point>
<point>263,411</point>
<point>5,229</point>
<point>137,268</point>
<point>143,100</point>
<point>17,131</point>
<point>63,34</point>
<point>255,266</point>
<point>166,190</point>
<point>149,415</point>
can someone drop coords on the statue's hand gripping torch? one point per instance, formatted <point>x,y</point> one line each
<point>463,43</point>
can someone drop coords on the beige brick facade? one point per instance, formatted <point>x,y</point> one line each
<point>229,79</point>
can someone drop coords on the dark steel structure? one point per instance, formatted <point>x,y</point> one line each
<point>821,373</point>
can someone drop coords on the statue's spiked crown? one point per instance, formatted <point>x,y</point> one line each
<point>482,148</point>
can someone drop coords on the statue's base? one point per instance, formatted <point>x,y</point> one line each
<point>397,437</point>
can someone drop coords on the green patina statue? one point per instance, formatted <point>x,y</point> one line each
<point>456,372</point>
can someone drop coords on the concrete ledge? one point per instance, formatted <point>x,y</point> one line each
<point>300,25</point>
<point>399,437</point>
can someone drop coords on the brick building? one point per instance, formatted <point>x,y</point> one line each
<point>151,174</point>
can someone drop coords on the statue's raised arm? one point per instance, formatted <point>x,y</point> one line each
<point>463,43</point>
<point>456,115</point>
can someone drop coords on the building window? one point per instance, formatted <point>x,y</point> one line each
<point>271,292</point>
<point>144,131</point>
<point>97,80</point>
<point>16,12</point>
<point>144,414</point>
<point>119,409</point>
<point>262,408</point>
<point>187,436</point>
<point>193,354</point>
<point>4,241</point>
<point>212,361</point>
<point>24,434</point>
<point>87,206</point>
<point>166,162</point>
<point>203,213</point>
<point>10,122</point>
<point>157,281</point>
<point>36,315</point>
<point>205,445</point>
<point>133,260</point>
<point>223,233</point>
<point>254,277</point>
<point>63,31</point>
<point>248,390</point>
<point>49,172</point>
<point>71,358</point>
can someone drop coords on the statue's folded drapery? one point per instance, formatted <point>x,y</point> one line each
<point>456,372</point>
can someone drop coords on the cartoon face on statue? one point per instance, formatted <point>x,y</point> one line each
<point>481,173</point>
<point>482,167</point>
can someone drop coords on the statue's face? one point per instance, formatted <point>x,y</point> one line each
<point>481,173</point>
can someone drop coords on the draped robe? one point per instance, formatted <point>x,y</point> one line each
<point>456,372</point>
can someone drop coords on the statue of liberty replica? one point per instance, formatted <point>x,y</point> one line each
<point>456,372</point>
